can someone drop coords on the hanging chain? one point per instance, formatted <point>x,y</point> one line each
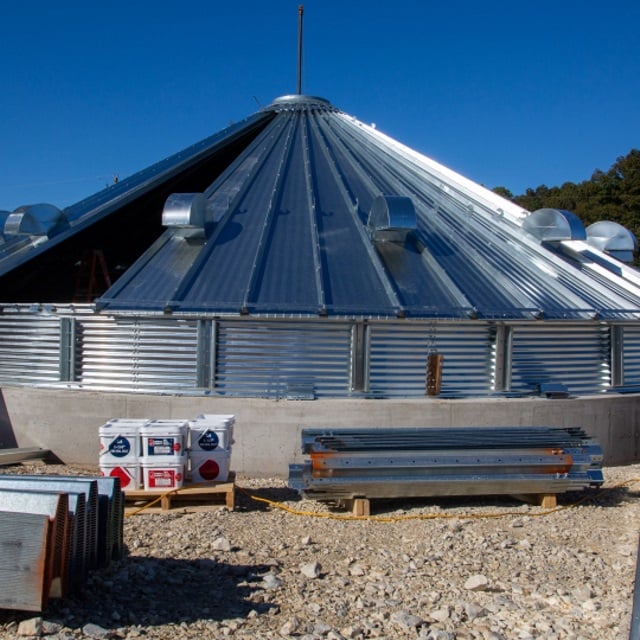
<point>431,344</point>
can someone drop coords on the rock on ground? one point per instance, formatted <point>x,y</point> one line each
<point>444,573</point>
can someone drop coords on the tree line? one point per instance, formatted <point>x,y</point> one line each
<point>611,195</point>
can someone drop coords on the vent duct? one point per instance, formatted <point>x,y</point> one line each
<point>614,239</point>
<point>391,218</point>
<point>554,225</point>
<point>186,210</point>
<point>35,220</point>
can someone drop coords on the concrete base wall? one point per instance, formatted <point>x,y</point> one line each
<point>267,432</point>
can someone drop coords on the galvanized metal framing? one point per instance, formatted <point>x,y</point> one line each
<point>502,354</point>
<point>206,353</point>
<point>360,350</point>
<point>67,349</point>
<point>617,355</point>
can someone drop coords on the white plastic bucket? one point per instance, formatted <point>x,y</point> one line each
<point>127,470</point>
<point>209,432</point>
<point>120,440</point>
<point>163,473</point>
<point>210,466</point>
<point>164,438</point>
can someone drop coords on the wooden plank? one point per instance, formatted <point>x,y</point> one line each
<point>24,559</point>
<point>359,506</point>
<point>544,500</point>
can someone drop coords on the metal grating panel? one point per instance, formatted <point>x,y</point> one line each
<point>577,356</point>
<point>399,351</point>
<point>280,359</point>
<point>29,347</point>
<point>139,354</point>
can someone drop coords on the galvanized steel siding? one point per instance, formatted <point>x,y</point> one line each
<point>279,359</point>
<point>631,355</point>
<point>399,351</point>
<point>144,354</point>
<point>577,356</point>
<point>29,347</point>
<point>72,346</point>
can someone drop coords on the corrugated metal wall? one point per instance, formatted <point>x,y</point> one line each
<point>280,358</point>
<point>576,355</point>
<point>631,355</point>
<point>399,351</point>
<point>144,354</point>
<point>306,358</point>
<point>29,347</point>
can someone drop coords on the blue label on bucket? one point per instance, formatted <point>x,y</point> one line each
<point>120,447</point>
<point>162,446</point>
<point>208,441</point>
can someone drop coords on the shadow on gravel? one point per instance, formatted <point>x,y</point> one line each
<point>159,591</point>
<point>244,501</point>
<point>607,497</point>
<point>589,497</point>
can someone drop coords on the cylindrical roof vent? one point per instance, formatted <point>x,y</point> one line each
<point>554,225</point>
<point>185,210</point>
<point>391,218</point>
<point>36,220</point>
<point>614,239</point>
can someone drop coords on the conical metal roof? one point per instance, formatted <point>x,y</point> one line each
<point>318,214</point>
<point>323,215</point>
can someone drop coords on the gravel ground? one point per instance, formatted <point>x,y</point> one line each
<point>444,569</point>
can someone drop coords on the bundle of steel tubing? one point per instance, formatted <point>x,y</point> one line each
<point>434,461</point>
<point>55,529</point>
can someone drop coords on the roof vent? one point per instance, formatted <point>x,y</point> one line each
<point>391,218</point>
<point>187,210</point>
<point>36,220</point>
<point>554,225</point>
<point>3,218</point>
<point>614,239</point>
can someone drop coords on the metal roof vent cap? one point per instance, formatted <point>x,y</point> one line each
<point>391,218</point>
<point>36,220</point>
<point>613,239</point>
<point>185,210</point>
<point>3,219</point>
<point>554,225</point>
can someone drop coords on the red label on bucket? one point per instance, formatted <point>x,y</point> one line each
<point>209,470</point>
<point>163,478</point>
<point>123,474</point>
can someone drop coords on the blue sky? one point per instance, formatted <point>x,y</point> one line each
<point>507,93</point>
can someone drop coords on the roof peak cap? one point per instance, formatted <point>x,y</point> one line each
<point>298,101</point>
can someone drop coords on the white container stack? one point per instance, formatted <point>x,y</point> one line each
<point>211,437</point>
<point>164,454</point>
<point>120,451</point>
<point>156,454</point>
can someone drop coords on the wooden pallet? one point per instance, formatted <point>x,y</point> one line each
<point>203,496</point>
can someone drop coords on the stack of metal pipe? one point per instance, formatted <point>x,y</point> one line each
<point>53,531</point>
<point>435,461</point>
